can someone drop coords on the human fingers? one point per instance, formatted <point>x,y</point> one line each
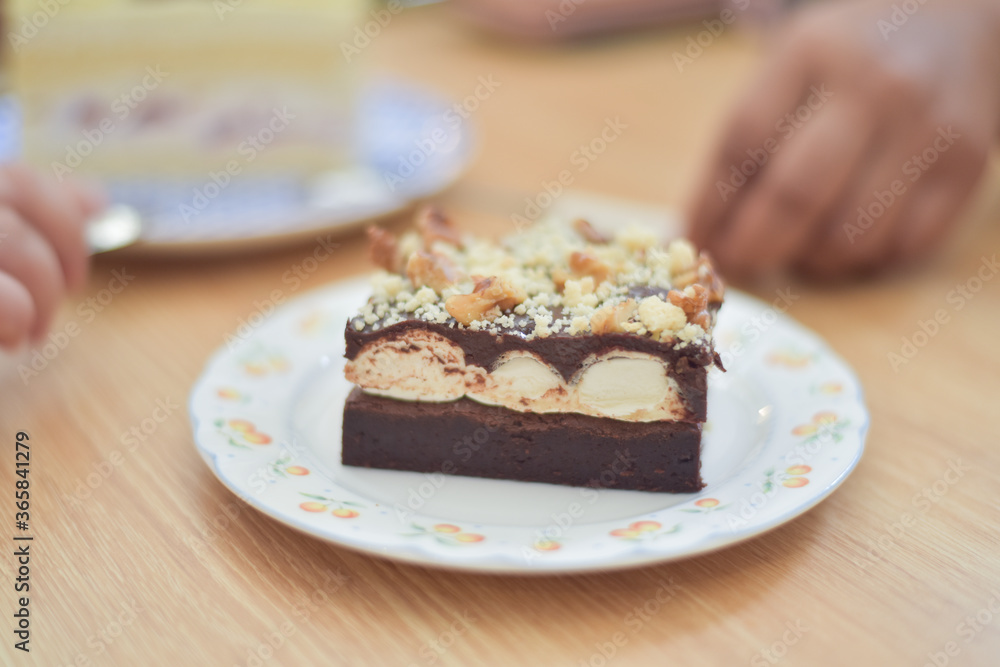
<point>855,237</point>
<point>797,190</point>
<point>750,130</point>
<point>27,257</point>
<point>942,195</point>
<point>88,196</point>
<point>17,312</point>
<point>57,216</point>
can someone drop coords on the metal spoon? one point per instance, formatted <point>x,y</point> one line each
<point>115,227</point>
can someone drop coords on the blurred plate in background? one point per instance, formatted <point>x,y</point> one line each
<point>409,147</point>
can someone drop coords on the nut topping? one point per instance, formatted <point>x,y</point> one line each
<point>488,300</point>
<point>694,302</point>
<point>434,225</point>
<point>382,249</point>
<point>710,278</point>
<point>587,231</point>
<point>431,269</point>
<point>586,263</point>
<point>611,318</point>
<point>571,279</point>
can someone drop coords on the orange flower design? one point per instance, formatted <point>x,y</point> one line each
<point>241,432</point>
<point>822,425</point>
<point>703,505</point>
<point>229,394</point>
<point>547,545</point>
<point>642,530</point>
<point>341,508</point>
<point>792,477</point>
<point>280,468</point>
<point>469,537</point>
<point>313,506</point>
<point>261,363</point>
<point>447,528</point>
<point>312,323</point>
<point>445,533</point>
<point>789,359</point>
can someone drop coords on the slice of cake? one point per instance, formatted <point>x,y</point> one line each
<point>560,356</point>
<point>127,90</point>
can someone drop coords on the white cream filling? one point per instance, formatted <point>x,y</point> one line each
<point>425,366</point>
<point>521,375</point>
<point>422,366</point>
<point>620,386</point>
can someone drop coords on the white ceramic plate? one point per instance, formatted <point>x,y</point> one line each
<point>786,426</point>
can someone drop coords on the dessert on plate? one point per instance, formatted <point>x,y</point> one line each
<point>129,90</point>
<point>561,355</point>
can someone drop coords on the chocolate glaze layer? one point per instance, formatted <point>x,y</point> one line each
<point>467,438</point>
<point>563,351</point>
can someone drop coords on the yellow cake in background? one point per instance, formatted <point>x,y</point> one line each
<point>180,88</point>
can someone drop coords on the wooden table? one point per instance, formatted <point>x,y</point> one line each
<point>161,565</point>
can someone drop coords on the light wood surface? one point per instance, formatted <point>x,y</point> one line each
<point>211,595</point>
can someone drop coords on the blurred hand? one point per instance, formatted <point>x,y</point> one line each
<point>43,252</point>
<point>858,144</point>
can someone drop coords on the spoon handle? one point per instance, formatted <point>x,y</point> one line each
<point>115,227</point>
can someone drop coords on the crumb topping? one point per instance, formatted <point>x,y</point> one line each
<point>555,277</point>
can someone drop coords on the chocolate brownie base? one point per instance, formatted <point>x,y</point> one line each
<point>467,438</point>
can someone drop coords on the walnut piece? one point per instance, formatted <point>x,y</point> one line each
<point>694,302</point>
<point>434,225</point>
<point>611,318</point>
<point>587,231</point>
<point>708,277</point>
<point>432,270</point>
<point>507,295</point>
<point>382,249</point>
<point>488,300</point>
<point>703,273</point>
<point>586,263</point>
